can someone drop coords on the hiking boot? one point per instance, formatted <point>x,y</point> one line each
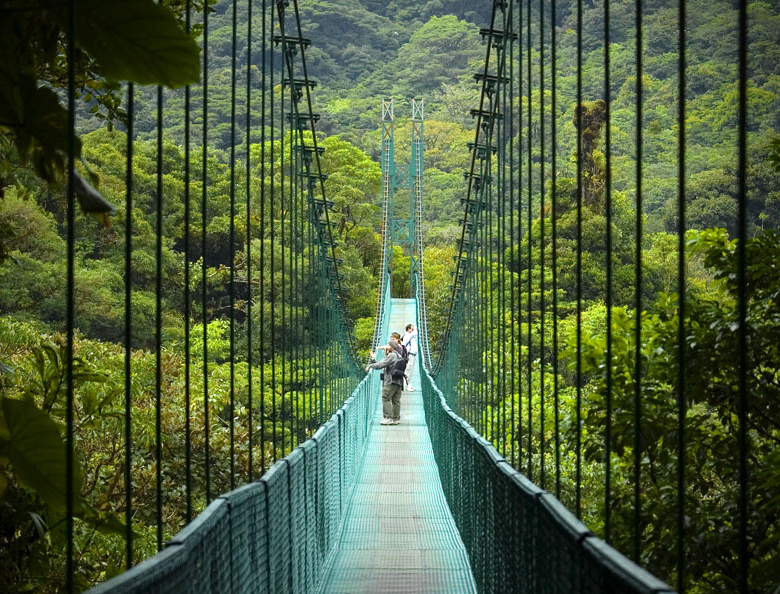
<point>386,421</point>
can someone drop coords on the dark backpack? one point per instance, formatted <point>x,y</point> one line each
<point>398,369</point>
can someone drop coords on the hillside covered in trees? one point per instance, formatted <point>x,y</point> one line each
<point>364,51</point>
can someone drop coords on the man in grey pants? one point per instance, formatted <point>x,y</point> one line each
<point>391,387</point>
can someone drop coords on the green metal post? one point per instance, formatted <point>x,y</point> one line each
<point>388,190</point>
<point>416,276</point>
<point>415,183</point>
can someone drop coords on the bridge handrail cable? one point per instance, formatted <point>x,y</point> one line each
<point>325,231</point>
<point>272,535</point>
<point>532,538</point>
<point>475,180</point>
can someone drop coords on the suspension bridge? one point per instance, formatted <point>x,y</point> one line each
<point>466,494</point>
<point>428,506</point>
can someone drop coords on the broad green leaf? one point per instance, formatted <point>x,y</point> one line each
<point>104,522</point>
<point>39,523</point>
<point>139,41</point>
<point>35,114</point>
<point>36,452</point>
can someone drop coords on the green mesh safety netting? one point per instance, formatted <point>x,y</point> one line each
<point>425,506</point>
<point>519,537</point>
<point>272,535</point>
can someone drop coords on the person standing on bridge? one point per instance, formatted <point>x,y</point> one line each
<point>391,387</point>
<point>401,349</point>
<point>396,336</point>
<point>409,342</point>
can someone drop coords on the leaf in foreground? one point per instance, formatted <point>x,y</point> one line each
<point>36,451</point>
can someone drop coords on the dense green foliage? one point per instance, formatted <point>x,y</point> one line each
<point>363,51</point>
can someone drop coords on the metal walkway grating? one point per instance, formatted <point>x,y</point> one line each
<point>398,534</point>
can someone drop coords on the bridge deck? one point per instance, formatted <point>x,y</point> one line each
<point>398,534</point>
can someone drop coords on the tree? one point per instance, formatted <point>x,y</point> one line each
<point>711,426</point>
<point>124,43</point>
<point>353,184</point>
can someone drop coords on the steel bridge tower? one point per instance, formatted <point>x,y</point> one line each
<point>403,230</point>
<point>408,229</point>
<point>416,272</point>
<point>388,190</point>
<point>415,186</point>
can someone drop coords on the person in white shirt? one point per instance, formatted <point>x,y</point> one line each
<point>409,341</point>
